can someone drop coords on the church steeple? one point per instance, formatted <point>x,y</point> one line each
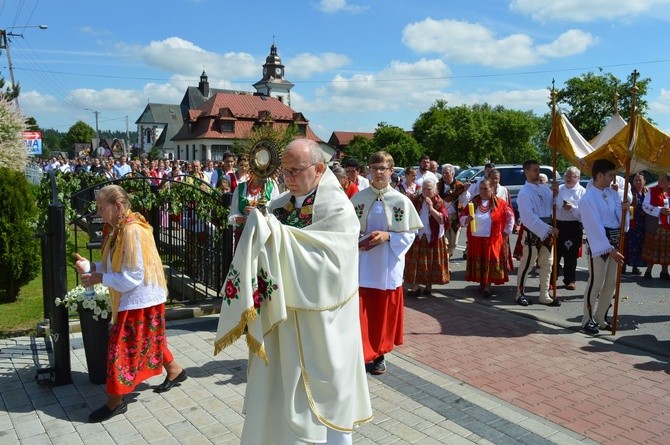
<point>273,66</point>
<point>203,86</point>
<point>273,83</point>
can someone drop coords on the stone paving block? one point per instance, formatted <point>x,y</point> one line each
<point>28,427</point>
<point>119,427</point>
<point>58,427</point>
<point>198,417</point>
<point>151,430</point>
<point>67,439</point>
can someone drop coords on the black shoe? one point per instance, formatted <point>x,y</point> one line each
<point>378,366</point>
<point>606,327</point>
<point>636,271</point>
<point>523,301</point>
<point>487,294</point>
<point>427,291</point>
<point>647,274</point>
<point>168,384</point>
<point>103,413</point>
<point>591,327</point>
<point>413,293</point>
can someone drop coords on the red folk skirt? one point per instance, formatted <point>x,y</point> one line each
<point>382,315</point>
<point>137,348</point>
<point>487,260</point>
<point>426,264</point>
<point>656,249</point>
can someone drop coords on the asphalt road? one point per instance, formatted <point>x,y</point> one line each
<point>643,315</point>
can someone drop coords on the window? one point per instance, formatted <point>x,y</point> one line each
<point>227,126</point>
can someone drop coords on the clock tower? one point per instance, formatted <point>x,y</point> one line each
<point>273,83</point>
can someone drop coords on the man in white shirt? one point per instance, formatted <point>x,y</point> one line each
<point>424,167</point>
<point>535,210</point>
<point>568,224</point>
<point>600,210</point>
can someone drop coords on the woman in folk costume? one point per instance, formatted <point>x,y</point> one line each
<point>245,198</point>
<point>656,248</point>
<point>428,259</point>
<point>407,186</point>
<point>241,174</point>
<point>636,232</point>
<point>133,272</point>
<point>388,226</point>
<point>487,243</point>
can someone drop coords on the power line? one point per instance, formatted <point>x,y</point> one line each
<point>409,79</point>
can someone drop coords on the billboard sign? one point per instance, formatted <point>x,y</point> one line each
<point>33,141</point>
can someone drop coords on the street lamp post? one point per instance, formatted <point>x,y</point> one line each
<point>4,44</point>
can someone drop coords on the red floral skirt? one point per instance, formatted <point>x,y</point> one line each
<point>137,348</point>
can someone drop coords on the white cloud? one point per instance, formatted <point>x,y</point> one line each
<point>661,105</point>
<point>570,42</point>
<point>584,11</point>
<point>331,6</point>
<point>304,65</point>
<point>470,43</point>
<point>181,57</point>
<point>420,83</point>
<point>112,98</point>
<point>95,32</point>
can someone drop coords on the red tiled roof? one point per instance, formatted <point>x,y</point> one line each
<point>245,109</point>
<point>341,138</point>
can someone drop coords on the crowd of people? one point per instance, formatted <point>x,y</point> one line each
<point>364,239</point>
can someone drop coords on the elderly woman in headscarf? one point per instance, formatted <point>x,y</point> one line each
<point>427,261</point>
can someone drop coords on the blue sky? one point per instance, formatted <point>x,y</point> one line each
<point>354,63</point>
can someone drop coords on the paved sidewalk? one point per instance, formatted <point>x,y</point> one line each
<point>605,391</point>
<point>416,401</point>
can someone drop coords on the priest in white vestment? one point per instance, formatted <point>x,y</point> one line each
<point>294,284</point>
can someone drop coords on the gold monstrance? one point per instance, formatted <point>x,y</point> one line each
<point>264,162</point>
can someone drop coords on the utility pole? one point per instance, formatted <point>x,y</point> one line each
<point>5,46</point>
<point>97,133</point>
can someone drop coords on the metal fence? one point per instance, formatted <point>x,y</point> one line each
<point>196,250</point>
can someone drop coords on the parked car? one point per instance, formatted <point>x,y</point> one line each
<point>512,178</point>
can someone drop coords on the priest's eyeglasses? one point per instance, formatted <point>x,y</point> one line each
<point>294,172</point>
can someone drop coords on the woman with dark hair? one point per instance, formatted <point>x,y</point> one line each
<point>132,270</point>
<point>636,231</point>
<point>428,259</point>
<point>487,241</point>
<point>407,186</point>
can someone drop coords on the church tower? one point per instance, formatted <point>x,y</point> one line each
<point>203,86</point>
<point>273,83</point>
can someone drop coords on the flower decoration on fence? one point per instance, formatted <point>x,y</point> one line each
<point>98,303</point>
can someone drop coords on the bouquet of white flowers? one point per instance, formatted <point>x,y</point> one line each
<point>99,303</point>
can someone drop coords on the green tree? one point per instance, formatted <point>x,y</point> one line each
<point>360,148</point>
<point>588,100</point>
<point>52,140</point>
<point>79,133</point>
<point>11,92</point>
<point>19,249</point>
<point>473,135</point>
<point>398,143</point>
<point>12,148</point>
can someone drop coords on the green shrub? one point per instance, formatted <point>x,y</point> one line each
<point>19,249</point>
